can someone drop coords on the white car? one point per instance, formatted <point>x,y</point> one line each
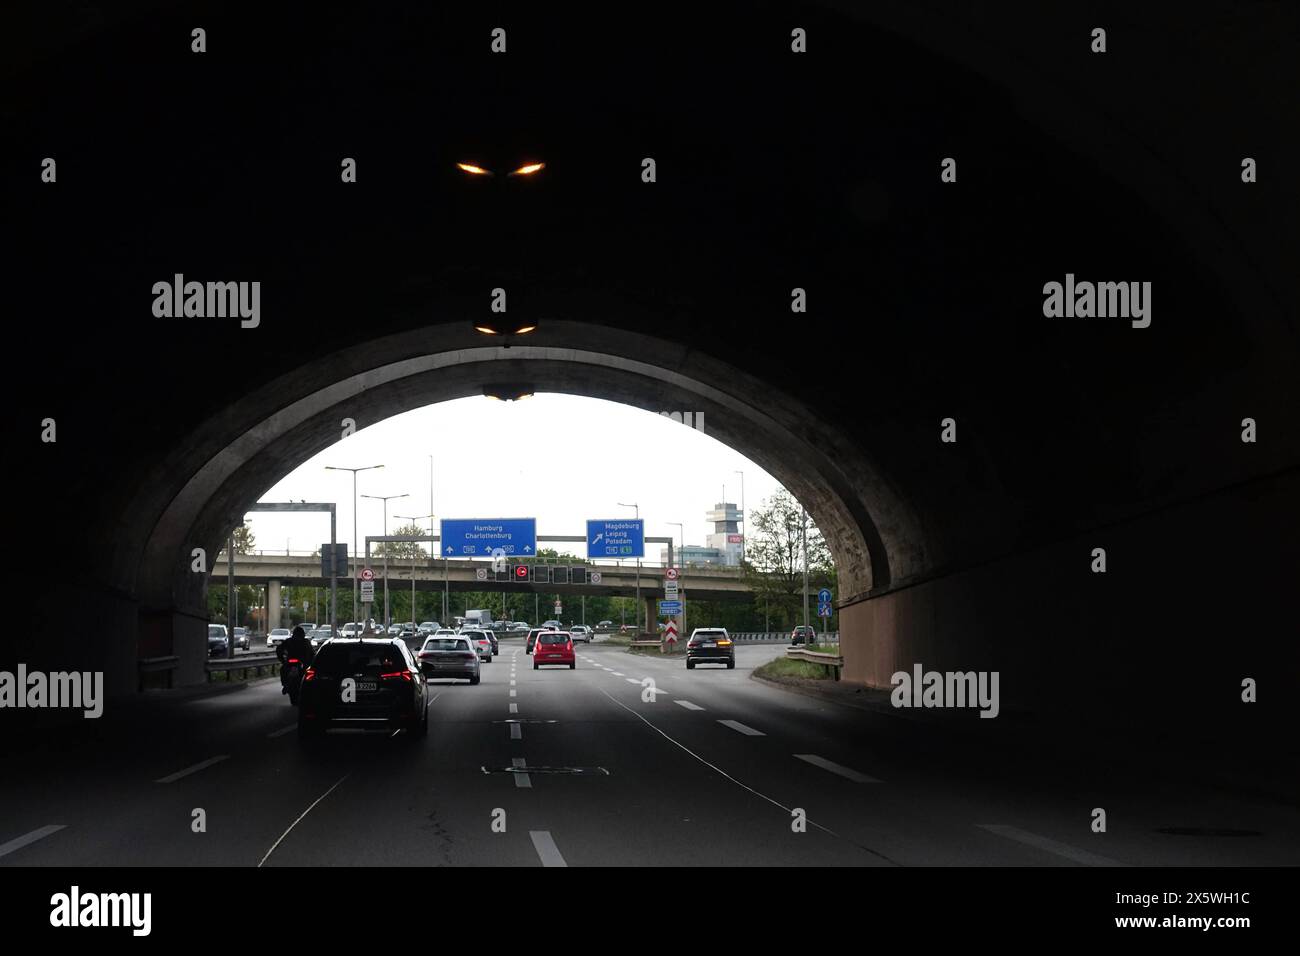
<point>350,629</point>
<point>581,632</point>
<point>277,636</point>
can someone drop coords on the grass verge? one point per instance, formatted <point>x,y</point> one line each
<point>783,669</point>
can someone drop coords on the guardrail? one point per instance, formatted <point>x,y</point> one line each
<point>157,665</point>
<point>777,637</point>
<point>834,662</point>
<point>243,663</point>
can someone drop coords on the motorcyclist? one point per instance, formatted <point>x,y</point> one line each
<point>296,647</point>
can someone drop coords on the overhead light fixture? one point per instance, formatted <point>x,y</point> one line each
<point>473,170</point>
<point>528,170</point>
<point>496,327</point>
<point>513,393</point>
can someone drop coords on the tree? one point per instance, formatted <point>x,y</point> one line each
<point>403,550</point>
<point>245,543</point>
<point>774,558</point>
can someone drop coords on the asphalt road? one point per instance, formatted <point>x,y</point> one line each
<point>592,767</point>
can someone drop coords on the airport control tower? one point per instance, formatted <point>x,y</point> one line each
<point>726,537</point>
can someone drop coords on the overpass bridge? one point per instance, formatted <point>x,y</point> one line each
<point>462,574</point>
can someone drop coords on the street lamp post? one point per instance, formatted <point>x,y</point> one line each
<point>742,515</point>
<point>803,534</point>
<point>385,499</point>
<point>416,549</point>
<point>356,557</point>
<point>637,508</point>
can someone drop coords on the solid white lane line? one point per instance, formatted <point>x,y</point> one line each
<point>840,769</point>
<point>521,779</point>
<point>546,848</point>
<point>688,705</point>
<point>514,708</point>
<point>300,816</point>
<point>1048,844</point>
<point>722,773</point>
<point>738,726</point>
<point>282,731</point>
<point>17,843</point>
<point>173,777</point>
<point>516,732</point>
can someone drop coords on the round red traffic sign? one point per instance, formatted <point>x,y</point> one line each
<point>367,574</point>
<point>671,574</point>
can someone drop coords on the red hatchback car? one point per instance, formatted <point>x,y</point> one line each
<point>554,647</point>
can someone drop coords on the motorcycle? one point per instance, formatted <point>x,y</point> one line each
<point>291,679</point>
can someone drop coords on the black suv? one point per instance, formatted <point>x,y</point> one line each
<point>363,682</point>
<point>710,645</point>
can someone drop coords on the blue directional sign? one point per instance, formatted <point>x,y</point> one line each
<point>670,607</point>
<point>480,537</point>
<point>824,596</point>
<point>623,538</point>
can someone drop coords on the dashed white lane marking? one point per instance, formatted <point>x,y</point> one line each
<point>546,848</point>
<point>688,705</point>
<point>17,843</point>
<point>514,693</point>
<point>282,731</point>
<point>616,674</point>
<point>632,680</point>
<point>1051,846</point>
<point>300,816</point>
<point>173,777</point>
<point>512,683</point>
<point>840,769</point>
<point>514,708</point>
<point>741,728</point>
<point>521,779</point>
<point>722,773</point>
<point>516,732</point>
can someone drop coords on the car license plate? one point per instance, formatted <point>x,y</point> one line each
<point>708,644</point>
<point>366,685</point>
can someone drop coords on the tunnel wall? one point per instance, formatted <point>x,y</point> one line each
<point>1195,598</point>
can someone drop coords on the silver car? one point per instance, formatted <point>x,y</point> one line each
<point>481,641</point>
<point>581,632</point>
<point>449,657</point>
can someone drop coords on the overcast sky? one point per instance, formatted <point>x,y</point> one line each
<point>675,473</point>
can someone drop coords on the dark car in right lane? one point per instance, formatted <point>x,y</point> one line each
<point>710,645</point>
<point>803,634</point>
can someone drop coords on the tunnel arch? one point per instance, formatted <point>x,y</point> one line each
<point>874,538</point>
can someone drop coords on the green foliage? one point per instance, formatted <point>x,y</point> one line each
<point>774,561</point>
